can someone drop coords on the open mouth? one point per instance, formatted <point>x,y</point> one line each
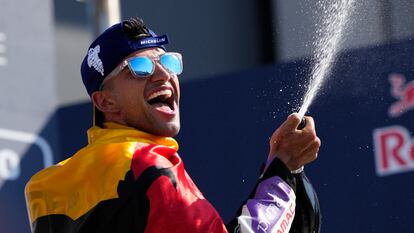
<point>163,98</point>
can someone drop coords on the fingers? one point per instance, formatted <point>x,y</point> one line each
<point>310,153</point>
<point>310,124</point>
<point>309,139</point>
<point>306,153</point>
<point>295,147</point>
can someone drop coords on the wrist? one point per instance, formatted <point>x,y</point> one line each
<point>276,167</point>
<point>297,171</point>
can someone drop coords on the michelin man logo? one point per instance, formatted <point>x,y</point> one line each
<point>94,60</point>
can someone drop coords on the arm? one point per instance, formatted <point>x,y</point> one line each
<point>279,195</point>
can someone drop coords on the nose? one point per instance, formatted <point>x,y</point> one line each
<point>160,73</point>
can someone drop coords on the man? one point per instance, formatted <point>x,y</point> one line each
<point>129,178</point>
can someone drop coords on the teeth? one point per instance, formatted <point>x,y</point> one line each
<point>166,93</point>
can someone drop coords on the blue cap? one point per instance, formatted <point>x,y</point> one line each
<point>109,50</point>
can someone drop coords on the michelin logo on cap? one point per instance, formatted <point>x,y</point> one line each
<point>151,42</point>
<point>94,60</point>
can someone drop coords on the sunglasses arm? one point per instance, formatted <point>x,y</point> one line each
<point>115,71</point>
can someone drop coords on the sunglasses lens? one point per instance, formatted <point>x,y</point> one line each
<point>172,63</point>
<point>141,66</point>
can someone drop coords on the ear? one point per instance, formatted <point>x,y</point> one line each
<point>105,102</point>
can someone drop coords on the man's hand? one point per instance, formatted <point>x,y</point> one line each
<point>295,148</point>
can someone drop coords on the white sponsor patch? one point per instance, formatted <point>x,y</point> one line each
<point>94,60</point>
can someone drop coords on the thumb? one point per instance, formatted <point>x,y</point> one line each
<point>291,123</point>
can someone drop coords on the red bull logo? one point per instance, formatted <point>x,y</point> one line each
<point>393,145</point>
<point>402,91</point>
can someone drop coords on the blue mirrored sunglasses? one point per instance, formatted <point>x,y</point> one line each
<point>143,66</point>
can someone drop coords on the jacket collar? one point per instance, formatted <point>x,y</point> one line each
<point>115,133</point>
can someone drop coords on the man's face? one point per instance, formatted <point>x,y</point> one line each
<point>149,104</point>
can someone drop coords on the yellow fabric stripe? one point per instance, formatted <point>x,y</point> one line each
<point>126,134</point>
<point>76,185</point>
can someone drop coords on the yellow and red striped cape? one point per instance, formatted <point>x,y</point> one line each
<point>124,180</point>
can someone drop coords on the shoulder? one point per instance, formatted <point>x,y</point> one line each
<point>88,177</point>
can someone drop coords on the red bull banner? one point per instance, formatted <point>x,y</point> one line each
<point>364,116</point>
